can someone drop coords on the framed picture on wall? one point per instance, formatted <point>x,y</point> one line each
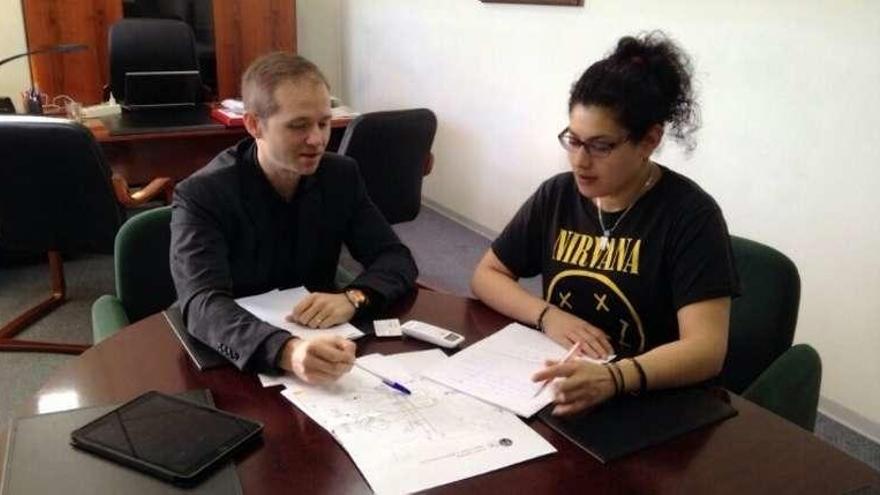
<point>572,3</point>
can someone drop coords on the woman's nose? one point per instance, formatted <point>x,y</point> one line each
<point>580,159</point>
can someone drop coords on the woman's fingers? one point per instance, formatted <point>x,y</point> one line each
<point>570,408</point>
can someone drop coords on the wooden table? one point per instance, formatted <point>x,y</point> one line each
<point>754,452</point>
<point>139,158</point>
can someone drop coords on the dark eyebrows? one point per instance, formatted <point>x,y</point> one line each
<point>589,140</point>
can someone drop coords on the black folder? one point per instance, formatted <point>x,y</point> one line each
<point>40,459</point>
<point>201,355</point>
<point>631,423</point>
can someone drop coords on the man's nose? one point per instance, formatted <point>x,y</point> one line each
<point>315,136</point>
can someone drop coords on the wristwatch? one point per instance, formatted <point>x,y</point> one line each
<point>357,298</point>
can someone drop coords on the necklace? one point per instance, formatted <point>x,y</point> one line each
<point>607,231</point>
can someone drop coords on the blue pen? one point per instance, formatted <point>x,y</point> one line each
<point>386,381</point>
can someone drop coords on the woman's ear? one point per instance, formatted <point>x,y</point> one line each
<point>652,140</point>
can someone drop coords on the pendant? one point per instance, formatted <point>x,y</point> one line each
<point>604,242</point>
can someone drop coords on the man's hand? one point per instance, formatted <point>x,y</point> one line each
<point>318,360</point>
<point>566,329</point>
<point>585,385</point>
<point>322,310</point>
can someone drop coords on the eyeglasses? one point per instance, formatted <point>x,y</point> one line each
<point>599,147</point>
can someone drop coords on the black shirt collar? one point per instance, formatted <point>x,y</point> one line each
<point>255,182</point>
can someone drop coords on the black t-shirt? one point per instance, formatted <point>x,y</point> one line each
<point>670,250</point>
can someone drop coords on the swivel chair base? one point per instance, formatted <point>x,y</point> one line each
<point>9,330</point>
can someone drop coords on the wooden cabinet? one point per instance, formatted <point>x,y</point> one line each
<point>243,30</point>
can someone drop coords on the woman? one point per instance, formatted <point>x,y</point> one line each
<point>635,258</point>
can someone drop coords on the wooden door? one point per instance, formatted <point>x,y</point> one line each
<point>246,29</point>
<point>80,75</point>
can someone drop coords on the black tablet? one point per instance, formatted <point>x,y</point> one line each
<point>167,437</point>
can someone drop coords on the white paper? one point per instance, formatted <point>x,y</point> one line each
<point>498,369</point>
<point>273,306</point>
<point>432,437</point>
<point>410,364</point>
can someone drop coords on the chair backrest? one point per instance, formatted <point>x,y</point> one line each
<point>764,317</point>
<point>143,44</point>
<point>55,189</point>
<point>143,273</point>
<point>391,149</point>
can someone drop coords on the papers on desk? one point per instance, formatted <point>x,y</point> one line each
<point>274,305</point>
<point>498,369</point>
<point>432,437</point>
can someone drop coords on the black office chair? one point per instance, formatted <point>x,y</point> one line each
<point>761,363</point>
<point>56,195</point>
<point>393,150</point>
<point>142,45</point>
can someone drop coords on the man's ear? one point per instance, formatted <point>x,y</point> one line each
<point>252,125</point>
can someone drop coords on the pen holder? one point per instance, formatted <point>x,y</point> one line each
<point>33,101</point>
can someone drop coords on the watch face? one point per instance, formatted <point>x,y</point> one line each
<point>356,297</point>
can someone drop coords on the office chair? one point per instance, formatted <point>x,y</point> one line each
<point>143,45</point>
<point>761,363</point>
<point>143,274</point>
<point>393,151</point>
<point>56,195</point>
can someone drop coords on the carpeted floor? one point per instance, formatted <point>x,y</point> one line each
<point>445,252</point>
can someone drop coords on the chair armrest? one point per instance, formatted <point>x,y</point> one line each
<point>790,386</point>
<point>128,199</point>
<point>108,316</point>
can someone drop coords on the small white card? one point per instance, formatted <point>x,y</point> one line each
<point>387,328</point>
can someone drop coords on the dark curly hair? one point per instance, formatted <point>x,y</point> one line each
<point>645,81</point>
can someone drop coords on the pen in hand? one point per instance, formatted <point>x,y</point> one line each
<point>386,381</point>
<point>571,352</point>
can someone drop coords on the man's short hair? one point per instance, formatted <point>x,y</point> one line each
<point>259,81</point>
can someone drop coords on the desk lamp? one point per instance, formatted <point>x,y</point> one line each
<point>32,99</point>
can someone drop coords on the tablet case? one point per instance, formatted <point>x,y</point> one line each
<point>40,459</point>
<point>201,355</point>
<point>631,423</point>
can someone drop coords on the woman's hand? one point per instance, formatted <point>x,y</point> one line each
<point>584,385</point>
<point>566,329</point>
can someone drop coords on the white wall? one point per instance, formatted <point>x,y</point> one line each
<point>318,24</point>
<point>789,145</point>
<point>14,76</point>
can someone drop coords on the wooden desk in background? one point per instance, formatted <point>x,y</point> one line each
<point>755,452</point>
<point>139,158</point>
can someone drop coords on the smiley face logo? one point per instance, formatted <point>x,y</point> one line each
<point>603,304</point>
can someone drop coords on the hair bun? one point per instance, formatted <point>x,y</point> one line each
<point>646,80</point>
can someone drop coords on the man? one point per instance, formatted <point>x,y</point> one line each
<point>273,212</point>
